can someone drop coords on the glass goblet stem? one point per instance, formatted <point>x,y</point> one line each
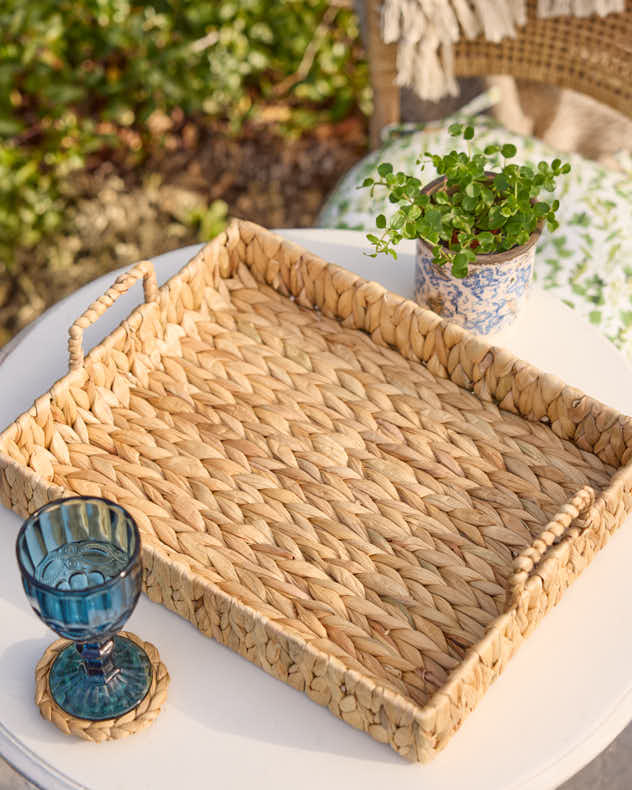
<point>97,661</point>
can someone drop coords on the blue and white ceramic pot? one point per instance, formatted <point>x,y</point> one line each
<point>489,297</point>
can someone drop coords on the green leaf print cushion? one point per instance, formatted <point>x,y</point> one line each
<point>586,262</point>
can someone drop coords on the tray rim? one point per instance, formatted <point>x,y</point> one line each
<point>506,625</point>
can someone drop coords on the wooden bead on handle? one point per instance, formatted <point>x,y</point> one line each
<point>526,563</point>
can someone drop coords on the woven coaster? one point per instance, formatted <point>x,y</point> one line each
<point>109,729</point>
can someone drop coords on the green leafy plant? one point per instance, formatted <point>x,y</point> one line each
<point>479,209</point>
<point>79,78</point>
<point>210,220</point>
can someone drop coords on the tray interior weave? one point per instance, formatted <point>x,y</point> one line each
<point>331,484</point>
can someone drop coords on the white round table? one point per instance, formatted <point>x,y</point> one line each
<point>562,699</point>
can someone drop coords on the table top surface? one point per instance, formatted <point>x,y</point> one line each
<point>561,700</point>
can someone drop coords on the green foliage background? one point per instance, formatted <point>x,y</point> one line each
<point>76,74</point>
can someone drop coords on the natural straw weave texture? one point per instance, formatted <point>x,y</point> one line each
<point>354,494</point>
<point>138,719</point>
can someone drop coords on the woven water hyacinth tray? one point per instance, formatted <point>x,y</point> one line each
<point>370,503</point>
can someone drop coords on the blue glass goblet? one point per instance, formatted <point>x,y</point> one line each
<point>81,571</point>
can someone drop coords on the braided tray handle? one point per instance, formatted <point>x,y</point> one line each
<point>122,284</point>
<point>526,563</point>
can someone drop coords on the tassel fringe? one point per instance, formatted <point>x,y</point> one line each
<point>548,8</point>
<point>426,31</point>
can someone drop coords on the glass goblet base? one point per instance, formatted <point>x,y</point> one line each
<point>119,684</point>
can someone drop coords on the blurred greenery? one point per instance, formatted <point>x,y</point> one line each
<point>210,220</point>
<point>83,79</point>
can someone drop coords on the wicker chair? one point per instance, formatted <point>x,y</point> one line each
<point>591,55</point>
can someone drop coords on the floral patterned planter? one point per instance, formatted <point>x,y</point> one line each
<point>492,294</point>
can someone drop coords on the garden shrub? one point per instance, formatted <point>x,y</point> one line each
<point>76,74</point>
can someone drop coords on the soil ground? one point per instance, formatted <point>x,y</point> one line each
<point>120,214</point>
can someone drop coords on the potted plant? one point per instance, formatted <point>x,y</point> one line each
<point>476,227</point>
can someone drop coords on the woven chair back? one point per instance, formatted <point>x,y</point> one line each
<point>592,55</point>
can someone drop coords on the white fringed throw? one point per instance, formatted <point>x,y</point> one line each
<point>427,29</point>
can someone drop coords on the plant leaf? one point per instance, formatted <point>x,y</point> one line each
<point>541,209</point>
<point>459,265</point>
<point>398,219</point>
<point>500,182</point>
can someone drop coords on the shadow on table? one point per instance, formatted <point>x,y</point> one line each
<point>17,666</point>
<point>224,692</point>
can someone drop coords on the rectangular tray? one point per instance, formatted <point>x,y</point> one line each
<point>370,503</point>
